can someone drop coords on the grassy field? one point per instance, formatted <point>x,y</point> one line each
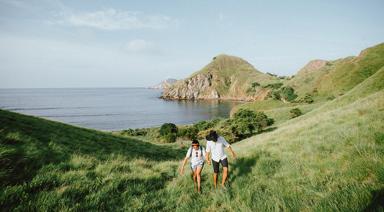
<point>276,109</point>
<point>329,159</point>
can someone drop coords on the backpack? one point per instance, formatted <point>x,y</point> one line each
<point>201,151</point>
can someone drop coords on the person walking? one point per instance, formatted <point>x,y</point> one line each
<point>215,149</point>
<point>197,155</point>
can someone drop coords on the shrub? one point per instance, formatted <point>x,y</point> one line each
<point>168,132</point>
<point>276,95</point>
<point>245,122</point>
<point>255,84</point>
<point>253,87</point>
<point>189,132</point>
<point>274,85</point>
<point>204,125</point>
<point>288,93</point>
<point>295,112</point>
<point>135,132</point>
<point>308,98</point>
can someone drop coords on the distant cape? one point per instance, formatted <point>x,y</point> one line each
<point>164,84</point>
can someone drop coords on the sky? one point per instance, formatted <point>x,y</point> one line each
<point>94,43</point>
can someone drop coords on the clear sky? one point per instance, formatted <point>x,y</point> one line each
<point>94,43</point>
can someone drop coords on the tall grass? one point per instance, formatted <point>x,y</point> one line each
<point>329,159</point>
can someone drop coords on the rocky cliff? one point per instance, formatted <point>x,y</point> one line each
<point>225,77</point>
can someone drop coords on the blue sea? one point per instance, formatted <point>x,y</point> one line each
<point>110,108</point>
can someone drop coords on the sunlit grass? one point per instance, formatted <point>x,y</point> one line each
<point>329,159</point>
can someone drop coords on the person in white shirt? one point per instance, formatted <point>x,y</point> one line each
<point>197,155</point>
<point>215,147</point>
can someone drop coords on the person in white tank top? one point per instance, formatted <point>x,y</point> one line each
<point>197,155</point>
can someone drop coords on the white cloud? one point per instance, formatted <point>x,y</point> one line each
<point>139,45</point>
<point>112,19</point>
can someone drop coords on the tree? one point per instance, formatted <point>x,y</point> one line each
<point>245,122</point>
<point>189,132</point>
<point>168,132</point>
<point>288,93</point>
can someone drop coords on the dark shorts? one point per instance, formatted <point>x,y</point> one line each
<point>216,165</point>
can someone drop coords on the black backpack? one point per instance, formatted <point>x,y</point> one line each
<point>200,148</point>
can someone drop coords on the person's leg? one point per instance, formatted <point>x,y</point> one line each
<point>215,172</point>
<point>225,174</point>
<point>194,177</point>
<point>224,163</point>
<point>198,176</point>
<point>215,180</point>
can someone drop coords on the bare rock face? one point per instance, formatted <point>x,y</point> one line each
<point>226,77</point>
<point>196,87</point>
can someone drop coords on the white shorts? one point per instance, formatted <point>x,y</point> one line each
<point>194,166</point>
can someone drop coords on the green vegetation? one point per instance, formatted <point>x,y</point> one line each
<point>243,124</point>
<point>295,112</point>
<point>288,94</point>
<point>276,85</point>
<point>308,98</point>
<point>339,76</point>
<point>168,132</point>
<point>255,84</point>
<point>135,132</point>
<point>188,132</point>
<point>330,158</point>
<point>47,165</point>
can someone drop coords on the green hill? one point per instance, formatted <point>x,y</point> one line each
<point>329,159</point>
<point>225,77</point>
<point>324,80</point>
<point>333,78</point>
<point>47,165</point>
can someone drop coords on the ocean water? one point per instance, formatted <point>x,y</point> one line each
<point>110,108</point>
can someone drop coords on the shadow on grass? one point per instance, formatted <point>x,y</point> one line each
<point>242,167</point>
<point>28,143</point>
<point>269,129</point>
<point>377,203</point>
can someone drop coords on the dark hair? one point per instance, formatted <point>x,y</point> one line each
<point>195,141</point>
<point>212,136</point>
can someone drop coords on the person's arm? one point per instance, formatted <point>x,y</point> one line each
<point>226,144</point>
<point>181,171</point>
<point>207,154</point>
<point>232,152</point>
<point>208,158</point>
<point>183,165</point>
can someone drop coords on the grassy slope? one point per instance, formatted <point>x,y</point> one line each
<point>333,79</point>
<point>348,74</point>
<point>276,109</point>
<point>339,76</point>
<point>49,165</point>
<point>331,158</point>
